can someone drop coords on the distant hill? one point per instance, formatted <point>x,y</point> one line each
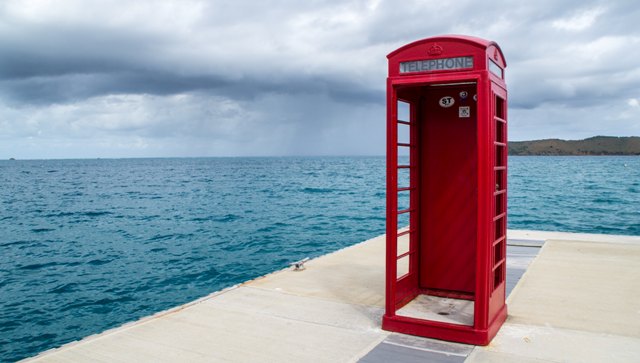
<point>598,145</point>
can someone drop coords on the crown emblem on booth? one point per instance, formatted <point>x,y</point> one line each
<point>435,50</point>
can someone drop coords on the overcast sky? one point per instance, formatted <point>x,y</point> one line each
<point>216,78</point>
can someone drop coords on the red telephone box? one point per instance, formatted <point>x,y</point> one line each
<point>446,180</point>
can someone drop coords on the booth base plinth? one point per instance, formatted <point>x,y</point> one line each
<point>443,330</point>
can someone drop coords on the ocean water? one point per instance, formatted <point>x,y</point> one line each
<point>591,194</point>
<point>88,245</point>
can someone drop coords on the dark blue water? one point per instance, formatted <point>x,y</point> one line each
<point>592,194</point>
<point>88,245</point>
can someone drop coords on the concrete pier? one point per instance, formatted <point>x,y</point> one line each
<point>573,298</point>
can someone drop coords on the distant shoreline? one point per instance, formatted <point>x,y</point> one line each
<point>593,146</point>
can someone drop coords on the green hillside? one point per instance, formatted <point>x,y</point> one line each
<point>598,145</point>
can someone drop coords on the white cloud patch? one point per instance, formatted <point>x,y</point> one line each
<point>581,20</point>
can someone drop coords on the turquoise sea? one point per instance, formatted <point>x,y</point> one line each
<point>88,245</point>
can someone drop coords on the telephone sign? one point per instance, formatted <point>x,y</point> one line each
<point>436,64</point>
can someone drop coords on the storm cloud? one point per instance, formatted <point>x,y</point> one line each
<point>201,78</point>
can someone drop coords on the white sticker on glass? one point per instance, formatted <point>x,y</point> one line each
<point>446,101</point>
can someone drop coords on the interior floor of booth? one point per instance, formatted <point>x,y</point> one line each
<point>442,309</point>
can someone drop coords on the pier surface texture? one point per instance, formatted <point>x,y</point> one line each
<point>573,298</point>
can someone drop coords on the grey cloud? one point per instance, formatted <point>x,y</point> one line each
<point>76,87</point>
<point>277,77</point>
<point>66,64</point>
<point>36,50</point>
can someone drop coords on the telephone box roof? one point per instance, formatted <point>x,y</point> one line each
<point>474,41</point>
